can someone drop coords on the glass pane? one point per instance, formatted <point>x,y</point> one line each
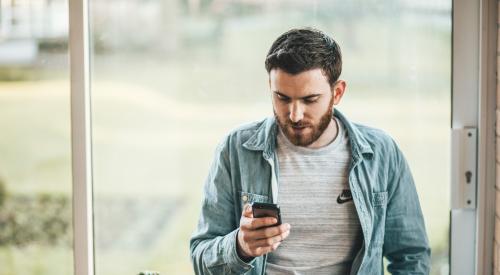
<point>35,143</point>
<point>171,78</point>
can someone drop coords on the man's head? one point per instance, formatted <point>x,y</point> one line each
<point>304,66</point>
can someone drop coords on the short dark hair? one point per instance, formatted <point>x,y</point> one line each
<point>299,50</point>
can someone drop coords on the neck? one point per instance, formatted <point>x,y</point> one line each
<point>327,136</point>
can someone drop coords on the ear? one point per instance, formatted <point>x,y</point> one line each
<point>338,90</point>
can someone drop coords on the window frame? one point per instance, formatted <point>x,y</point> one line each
<point>81,138</point>
<point>473,80</point>
<point>473,105</point>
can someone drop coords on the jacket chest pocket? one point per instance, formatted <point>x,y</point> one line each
<point>247,197</point>
<point>379,202</point>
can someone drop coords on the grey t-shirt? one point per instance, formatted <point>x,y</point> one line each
<point>315,199</point>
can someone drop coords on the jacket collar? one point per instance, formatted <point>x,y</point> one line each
<point>264,138</point>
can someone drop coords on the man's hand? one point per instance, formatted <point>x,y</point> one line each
<point>257,236</point>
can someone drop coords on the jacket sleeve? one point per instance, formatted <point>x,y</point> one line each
<point>406,246</point>
<point>213,244</point>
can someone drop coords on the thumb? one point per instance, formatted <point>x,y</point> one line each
<point>247,211</point>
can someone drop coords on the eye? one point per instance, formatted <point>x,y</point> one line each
<point>311,100</point>
<point>283,98</point>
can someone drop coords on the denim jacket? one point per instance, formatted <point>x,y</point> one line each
<point>245,170</point>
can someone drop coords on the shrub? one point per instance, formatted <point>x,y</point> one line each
<point>42,219</point>
<point>3,193</point>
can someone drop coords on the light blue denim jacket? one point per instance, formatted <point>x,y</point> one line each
<point>245,170</point>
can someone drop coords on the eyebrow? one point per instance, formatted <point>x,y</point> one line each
<point>305,97</point>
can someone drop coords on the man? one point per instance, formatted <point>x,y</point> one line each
<point>346,194</point>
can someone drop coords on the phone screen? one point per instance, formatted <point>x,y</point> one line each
<point>261,210</point>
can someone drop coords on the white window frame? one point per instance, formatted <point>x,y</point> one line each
<point>473,105</point>
<point>81,137</point>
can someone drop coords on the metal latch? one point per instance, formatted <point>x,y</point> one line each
<point>463,169</point>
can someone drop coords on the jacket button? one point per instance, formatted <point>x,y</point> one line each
<point>244,198</point>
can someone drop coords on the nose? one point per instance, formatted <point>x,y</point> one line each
<point>296,112</point>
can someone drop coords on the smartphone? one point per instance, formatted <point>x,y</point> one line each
<point>262,209</point>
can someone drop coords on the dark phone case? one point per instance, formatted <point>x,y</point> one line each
<point>261,210</point>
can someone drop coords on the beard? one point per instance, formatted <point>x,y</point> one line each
<point>301,138</point>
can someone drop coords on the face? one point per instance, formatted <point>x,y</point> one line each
<point>303,103</point>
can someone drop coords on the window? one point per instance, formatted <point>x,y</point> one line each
<point>170,79</point>
<point>35,144</point>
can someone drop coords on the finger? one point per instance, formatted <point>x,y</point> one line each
<point>275,246</point>
<point>251,223</point>
<point>245,223</point>
<point>255,228</point>
<point>265,233</point>
<point>263,222</point>
<point>247,211</point>
<point>270,241</point>
<point>272,231</point>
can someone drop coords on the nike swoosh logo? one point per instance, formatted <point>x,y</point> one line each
<point>345,196</point>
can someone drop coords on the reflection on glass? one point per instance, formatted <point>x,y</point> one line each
<point>170,78</point>
<point>35,156</point>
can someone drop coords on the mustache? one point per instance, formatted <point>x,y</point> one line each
<point>299,124</point>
